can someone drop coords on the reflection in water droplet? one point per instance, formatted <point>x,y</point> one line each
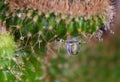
<point>72,46</point>
<point>112,32</point>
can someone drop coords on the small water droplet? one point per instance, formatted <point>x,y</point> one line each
<point>72,46</point>
<point>21,38</point>
<point>112,32</point>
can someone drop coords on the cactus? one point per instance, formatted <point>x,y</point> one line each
<point>7,49</point>
<point>36,26</point>
<point>31,26</point>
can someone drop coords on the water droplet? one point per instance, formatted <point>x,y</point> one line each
<point>112,32</point>
<point>21,38</point>
<point>19,15</point>
<point>72,46</point>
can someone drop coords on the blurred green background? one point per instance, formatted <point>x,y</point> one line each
<point>97,62</point>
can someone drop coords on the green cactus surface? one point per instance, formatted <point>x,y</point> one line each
<point>34,29</point>
<point>7,49</point>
